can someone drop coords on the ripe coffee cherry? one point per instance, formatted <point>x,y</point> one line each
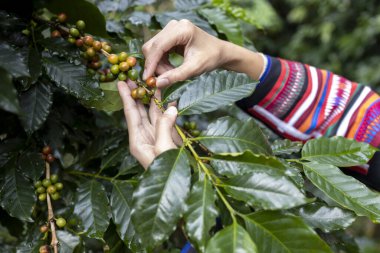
<point>55,34</point>
<point>42,197</point>
<point>79,43</point>
<point>51,189</point>
<point>97,45</point>
<point>46,150</point>
<point>55,196</point>
<point>74,32</point>
<point>54,178</point>
<point>123,66</point>
<point>61,222</point>
<point>95,64</point>
<point>107,48</point>
<point>122,76</point>
<point>88,40</point>
<point>37,184</point>
<point>141,92</point>
<point>50,158</point>
<point>90,52</point>
<point>44,228</point>
<point>80,24</point>
<point>131,61</point>
<point>46,182</point>
<point>151,82</point>
<point>113,59</point>
<point>62,17</point>
<point>134,94</point>
<point>102,78</point>
<point>58,186</point>
<point>133,74</point>
<point>71,40</point>
<point>123,56</point>
<point>44,249</point>
<point>115,69</point>
<point>40,189</point>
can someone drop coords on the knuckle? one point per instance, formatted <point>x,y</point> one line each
<point>186,25</point>
<point>172,22</point>
<point>145,48</point>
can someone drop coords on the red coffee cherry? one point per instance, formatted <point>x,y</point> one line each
<point>151,82</point>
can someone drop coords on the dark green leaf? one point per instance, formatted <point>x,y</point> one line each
<point>31,165</point>
<point>184,5</point>
<point>159,200</point>
<point>92,208</point>
<point>127,165</point>
<point>120,202</point>
<point>35,104</point>
<point>276,232</point>
<point>224,23</point>
<point>214,90</point>
<point>13,61</point>
<point>62,48</point>
<point>17,193</point>
<point>111,100</point>
<point>115,156</point>
<point>71,78</point>
<point>345,190</point>
<point>114,243</point>
<point>140,18</point>
<point>245,163</point>
<point>8,94</point>
<point>174,92</point>
<point>337,151</point>
<point>231,239</point>
<point>34,63</point>
<point>67,241</point>
<point>230,136</point>
<point>286,147</point>
<point>268,190</point>
<point>326,218</point>
<point>84,10</point>
<point>201,213</point>
<point>165,17</point>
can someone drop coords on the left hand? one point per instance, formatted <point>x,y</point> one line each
<point>150,135</point>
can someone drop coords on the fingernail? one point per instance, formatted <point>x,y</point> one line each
<point>145,75</point>
<point>161,82</point>
<point>171,111</point>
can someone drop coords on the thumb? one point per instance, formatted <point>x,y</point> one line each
<point>183,72</point>
<point>164,126</point>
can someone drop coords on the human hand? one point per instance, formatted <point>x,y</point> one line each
<point>149,135</point>
<point>202,52</point>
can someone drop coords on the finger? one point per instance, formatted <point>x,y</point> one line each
<point>163,67</point>
<point>131,112</point>
<point>183,72</point>
<point>154,111</point>
<point>164,128</point>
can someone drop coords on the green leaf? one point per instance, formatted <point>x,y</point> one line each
<point>345,190</point>
<point>201,213</point>
<point>92,208</point>
<point>35,104</point>
<point>337,151</point>
<point>184,5</point>
<point>115,243</point>
<point>165,17</point>
<point>159,200</point>
<point>230,136</point>
<point>115,156</point>
<point>174,92</point>
<point>268,190</point>
<point>34,64</point>
<point>214,90</point>
<point>111,100</point>
<point>13,61</point>
<point>121,202</point>
<point>84,10</point>
<point>325,217</point>
<point>247,162</point>
<point>67,241</point>
<point>60,47</point>
<point>17,193</point>
<point>8,94</point>
<point>273,231</point>
<point>31,165</point>
<point>231,239</point>
<point>71,78</point>
<point>286,147</point>
<point>224,23</point>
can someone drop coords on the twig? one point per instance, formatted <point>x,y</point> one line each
<point>54,240</point>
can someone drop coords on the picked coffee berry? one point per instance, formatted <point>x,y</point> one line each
<point>46,150</point>
<point>62,17</point>
<point>44,228</point>
<point>88,40</point>
<point>113,59</point>
<point>151,82</point>
<point>80,24</point>
<point>131,61</point>
<point>61,222</point>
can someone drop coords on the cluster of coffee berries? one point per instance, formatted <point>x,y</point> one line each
<point>121,67</point>
<point>47,154</point>
<point>191,127</point>
<point>49,186</point>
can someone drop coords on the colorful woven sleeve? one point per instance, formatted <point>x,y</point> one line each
<point>301,102</point>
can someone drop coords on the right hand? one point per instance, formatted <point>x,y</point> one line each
<point>201,51</point>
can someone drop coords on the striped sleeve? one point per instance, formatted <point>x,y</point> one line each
<point>301,102</point>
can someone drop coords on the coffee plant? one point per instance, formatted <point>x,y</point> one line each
<point>69,183</point>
